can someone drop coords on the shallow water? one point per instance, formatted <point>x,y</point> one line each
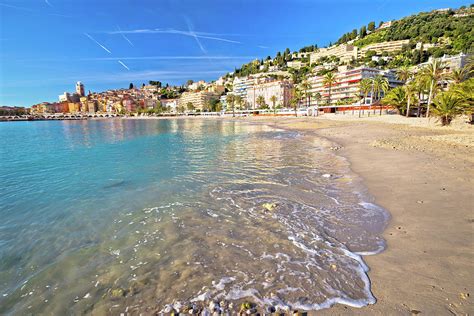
<point>119,216</point>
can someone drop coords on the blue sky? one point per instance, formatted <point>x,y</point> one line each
<point>48,45</point>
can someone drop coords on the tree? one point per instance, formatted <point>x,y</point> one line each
<point>261,101</point>
<point>459,75</point>
<point>230,99</point>
<point>273,99</point>
<point>130,86</point>
<point>404,73</point>
<point>239,101</point>
<point>396,97</point>
<point>295,99</point>
<point>329,80</point>
<point>465,92</point>
<point>317,97</point>
<point>363,32</point>
<point>371,26</point>
<point>189,82</point>
<point>365,87</point>
<point>447,106</point>
<point>379,85</point>
<point>433,72</point>
<point>420,84</point>
<point>306,86</point>
<point>410,91</point>
<point>190,106</point>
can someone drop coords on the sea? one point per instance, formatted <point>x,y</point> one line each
<point>147,216</point>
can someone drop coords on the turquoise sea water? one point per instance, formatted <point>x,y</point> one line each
<point>111,216</point>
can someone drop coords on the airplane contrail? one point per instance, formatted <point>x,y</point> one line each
<point>125,37</point>
<point>47,2</point>
<point>125,66</point>
<point>103,47</point>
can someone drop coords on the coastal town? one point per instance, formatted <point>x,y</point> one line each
<point>349,75</point>
<point>176,158</point>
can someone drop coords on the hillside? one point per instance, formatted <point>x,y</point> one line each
<point>443,31</point>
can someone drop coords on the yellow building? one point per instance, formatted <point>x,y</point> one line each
<point>198,99</point>
<point>344,52</point>
<point>389,47</point>
<point>74,107</point>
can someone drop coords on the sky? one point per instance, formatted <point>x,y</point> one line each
<point>48,45</point>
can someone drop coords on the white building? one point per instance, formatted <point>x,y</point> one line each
<point>347,85</point>
<point>241,85</point>
<point>281,89</point>
<point>170,103</point>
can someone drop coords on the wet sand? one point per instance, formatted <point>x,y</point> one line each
<point>424,177</point>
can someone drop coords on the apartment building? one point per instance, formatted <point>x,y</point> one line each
<point>344,52</point>
<point>172,104</point>
<point>282,89</point>
<point>449,62</point>
<point>241,85</point>
<point>347,84</point>
<point>389,47</point>
<point>198,99</point>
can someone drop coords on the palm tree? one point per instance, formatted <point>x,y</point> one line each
<point>420,84</point>
<point>380,85</point>
<point>396,97</point>
<point>295,99</point>
<point>261,101</point>
<point>404,73</point>
<point>306,86</point>
<point>238,100</point>
<point>317,97</point>
<point>470,62</point>
<point>410,90</point>
<point>465,92</point>
<point>459,75</point>
<point>434,73</point>
<point>230,99</point>
<point>447,107</point>
<point>190,106</point>
<point>329,80</point>
<point>365,86</point>
<point>273,99</point>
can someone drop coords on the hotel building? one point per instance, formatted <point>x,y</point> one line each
<point>241,85</point>
<point>347,84</point>
<point>198,99</point>
<point>344,52</point>
<point>282,89</point>
<point>389,47</point>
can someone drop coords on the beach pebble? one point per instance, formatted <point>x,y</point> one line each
<point>168,309</point>
<point>118,292</point>
<point>269,206</point>
<point>212,306</point>
<point>464,296</point>
<point>419,202</point>
<point>271,309</point>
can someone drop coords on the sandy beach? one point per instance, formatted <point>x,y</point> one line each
<point>423,175</point>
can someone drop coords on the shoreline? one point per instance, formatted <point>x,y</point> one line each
<point>427,265</point>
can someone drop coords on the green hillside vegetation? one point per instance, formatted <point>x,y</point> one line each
<point>452,34</point>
